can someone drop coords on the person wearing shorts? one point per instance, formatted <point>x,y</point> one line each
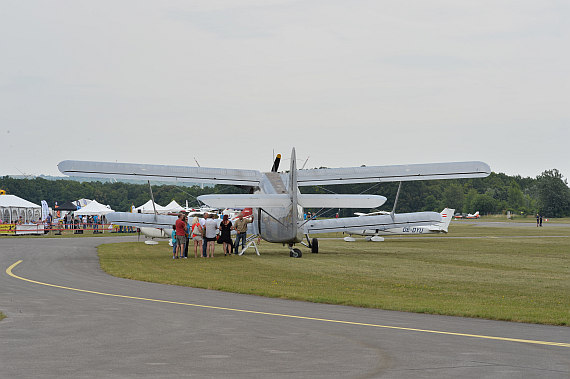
<point>173,239</point>
<point>180,235</point>
<point>210,237</point>
<point>197,236</point>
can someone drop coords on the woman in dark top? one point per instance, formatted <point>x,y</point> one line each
<point>225,236</point>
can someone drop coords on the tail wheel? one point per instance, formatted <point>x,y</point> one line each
<point>315,246</point>
<point>295,253</point>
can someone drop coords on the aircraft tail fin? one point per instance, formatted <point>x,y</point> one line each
<point>446,216</point>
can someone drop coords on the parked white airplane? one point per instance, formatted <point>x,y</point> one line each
<point>275,197</point>
<point>374,235</point>
<point>475,215</point>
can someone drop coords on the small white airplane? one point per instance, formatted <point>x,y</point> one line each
<point>374,235</point>
<point>275,197</point>
<point>475,215</point>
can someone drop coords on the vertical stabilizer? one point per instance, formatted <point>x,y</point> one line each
<point>446,216</point>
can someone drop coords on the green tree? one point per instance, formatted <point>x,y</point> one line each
<point>432,204</point>
<point>553,194</point>
<point>515,196</point>
<point>453,196</point>
<point>485,204</point>
<point>468,206</point>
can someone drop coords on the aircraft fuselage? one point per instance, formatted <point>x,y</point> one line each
<point>278,224</point>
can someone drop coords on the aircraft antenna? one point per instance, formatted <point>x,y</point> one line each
<point>306,160</point>
<point>195,160</point>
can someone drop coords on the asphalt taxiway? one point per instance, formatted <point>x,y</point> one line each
<point>67,318</point>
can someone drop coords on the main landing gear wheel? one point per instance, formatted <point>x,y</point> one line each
<point>295,253</point>
<point>315,246</point>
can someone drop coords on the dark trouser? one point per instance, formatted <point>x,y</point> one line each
<point>204,247</point>
<point>185,253</point>
<point>242,237</point>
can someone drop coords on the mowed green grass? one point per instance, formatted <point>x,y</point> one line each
<point>516,279</point>
<point>520,219</point>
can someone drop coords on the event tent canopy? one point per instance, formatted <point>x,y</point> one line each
<point>148,208</point>
<point>93,209</point>
<point>173,206</point>
<point>13,207</point>
<point>69,206</point>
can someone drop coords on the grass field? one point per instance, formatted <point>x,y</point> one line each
<point>516,279</point>
<point>521,219</point>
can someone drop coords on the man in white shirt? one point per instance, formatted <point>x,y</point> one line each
<point>210,237</point>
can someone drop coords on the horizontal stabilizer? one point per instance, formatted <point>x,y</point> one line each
<point>395,173</point>
<point>340,201</point>
<point>380,222</point>
<point>247,201</point>
<point>186,174</point>
<point>141,220</point>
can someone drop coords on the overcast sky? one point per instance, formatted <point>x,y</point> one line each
<point>228,82</point>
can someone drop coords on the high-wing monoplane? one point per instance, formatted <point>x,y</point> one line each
<point>375,235</point>
<point>275,197</point>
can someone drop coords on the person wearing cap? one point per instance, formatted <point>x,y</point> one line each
<point>240,225</point>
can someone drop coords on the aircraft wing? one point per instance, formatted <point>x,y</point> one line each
<point>141,220</point>
<point>340,201</point>
<point>246,201</point>
<point>396,173</point>
<point>381,222</point>
<point>284,200</point>
<point>160,172</point>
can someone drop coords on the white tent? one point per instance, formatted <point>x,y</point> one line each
<point>13,207</point>
<point>148,208</point>
<point>173,206</point>
<point>93,209</point>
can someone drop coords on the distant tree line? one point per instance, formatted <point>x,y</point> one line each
<point>548,193</point>
<point>120,196</point>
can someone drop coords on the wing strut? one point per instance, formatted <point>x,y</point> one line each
<point>152,198</point>
<point>396,201</point>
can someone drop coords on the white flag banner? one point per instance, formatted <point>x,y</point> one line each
<point>45,209</point>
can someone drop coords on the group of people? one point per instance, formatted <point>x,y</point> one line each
<point>79,222</point>
<point>206,232</point>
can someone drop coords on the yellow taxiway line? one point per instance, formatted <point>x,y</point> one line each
<point>534,342</point>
